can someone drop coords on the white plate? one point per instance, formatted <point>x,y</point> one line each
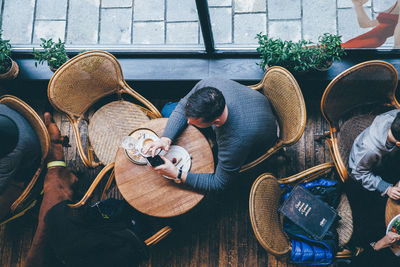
<point>183,157</point>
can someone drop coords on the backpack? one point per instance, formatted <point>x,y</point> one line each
<point>104,234</point>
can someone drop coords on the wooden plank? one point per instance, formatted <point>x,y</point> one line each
<point>309,141</point>
<point>6,247</point>
<point>278,262</point>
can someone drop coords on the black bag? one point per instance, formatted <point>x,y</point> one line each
<point>100,235</point>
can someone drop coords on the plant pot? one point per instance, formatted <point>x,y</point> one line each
<point>327,66</point>
<point>52,69</point>
<point>12,72</point>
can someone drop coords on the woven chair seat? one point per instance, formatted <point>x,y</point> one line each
<point>264,204</point>
<point>345,224</point>
<point>110,124</point>
<point>349,132</point>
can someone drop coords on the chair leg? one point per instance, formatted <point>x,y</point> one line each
<point>320,138</point>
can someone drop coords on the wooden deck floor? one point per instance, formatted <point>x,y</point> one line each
<point>216,233</point>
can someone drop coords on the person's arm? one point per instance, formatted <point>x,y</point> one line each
<point>210,181</point>
<point>363,19</point>
<point>363,173</point>
<point>199,181</point>
<point>388,240</point>
<point>175,125</point>
<point>231,156</point>
<point>177,121</point>
<point>396,34</point>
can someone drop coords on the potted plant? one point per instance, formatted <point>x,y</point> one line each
<point>8,68</point>
<point>301,56</point>
<point>294,56</point>
<point>54,53</point>
<point>330,49</point>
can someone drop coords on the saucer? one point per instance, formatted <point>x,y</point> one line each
<point>139,134</point>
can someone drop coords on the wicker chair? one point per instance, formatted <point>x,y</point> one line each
<point>350,103</point>
<point>284,93</point>
<point>19,197</point>
<point>80,83</point>
<point>266,222</point>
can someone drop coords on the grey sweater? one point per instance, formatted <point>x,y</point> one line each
<point>368,150</point>
<point>250,128</point>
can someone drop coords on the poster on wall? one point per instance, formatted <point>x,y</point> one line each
<point>379,22</point>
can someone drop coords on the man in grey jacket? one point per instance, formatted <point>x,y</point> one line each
<point>241,118</point>
<point>370,149</point>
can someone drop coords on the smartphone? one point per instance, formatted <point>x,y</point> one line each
<point>155,161</point>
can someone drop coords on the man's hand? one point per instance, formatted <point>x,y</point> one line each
<point>388,240</point>
<point>163,143</point>
<point>168,168</point>
<point>393,192</point>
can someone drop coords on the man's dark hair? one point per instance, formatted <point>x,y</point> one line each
<point>395,127</point>
<point>207,103</point>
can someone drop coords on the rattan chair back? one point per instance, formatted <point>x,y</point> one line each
<point>264,203</point>
<point>351,102</point>
<point>368,83</point>
<point>80,83</point>
<point>32,190</point>
<point>284,93</point>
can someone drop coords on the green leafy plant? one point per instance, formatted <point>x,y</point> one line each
<point>298,56</point>
<point>5,51</point>
<point>330,49</point>
<point>54,53</point>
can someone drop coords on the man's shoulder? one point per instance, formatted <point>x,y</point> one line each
<point>386,116</point>
<point>375,135</point>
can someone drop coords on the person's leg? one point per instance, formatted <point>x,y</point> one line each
<point>57,188</point>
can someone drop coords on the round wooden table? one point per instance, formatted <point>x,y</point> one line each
<point>150,193</point>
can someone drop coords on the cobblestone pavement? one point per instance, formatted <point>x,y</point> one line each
<point>175,22</point>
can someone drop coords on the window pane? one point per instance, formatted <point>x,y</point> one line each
<point>144,24</point>
<point>235,23</point>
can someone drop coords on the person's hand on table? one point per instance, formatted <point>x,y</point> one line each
<point>163,143</point>
<point>388,240</point>
<point>393,192</point>
<point>169,169</point>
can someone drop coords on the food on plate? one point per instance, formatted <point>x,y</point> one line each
<point>395,226</point>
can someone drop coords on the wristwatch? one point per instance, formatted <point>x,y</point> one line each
<point>178,179</point>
